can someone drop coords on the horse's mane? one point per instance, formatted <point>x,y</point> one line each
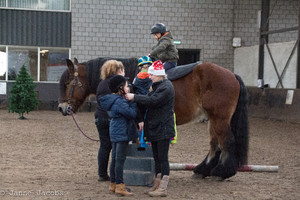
<point>94,66</point>
<point>93,73</point>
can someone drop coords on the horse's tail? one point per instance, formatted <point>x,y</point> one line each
<point>239,125</point>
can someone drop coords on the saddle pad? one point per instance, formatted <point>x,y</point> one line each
<point>180,71</point>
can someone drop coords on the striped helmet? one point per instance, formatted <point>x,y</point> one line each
<point>144,60</point>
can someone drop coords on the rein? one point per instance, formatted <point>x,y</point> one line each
<point>69,109</point>
<point>81,130</point>
<point>75,81</point>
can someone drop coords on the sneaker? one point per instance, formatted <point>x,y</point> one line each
<point>103,178</point>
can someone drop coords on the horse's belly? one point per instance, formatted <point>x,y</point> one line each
<point>189,113</point>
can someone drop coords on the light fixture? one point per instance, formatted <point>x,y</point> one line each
<point>44,51</point>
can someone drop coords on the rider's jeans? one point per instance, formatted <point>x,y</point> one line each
<point>118,157</point>
<point>169,65</point>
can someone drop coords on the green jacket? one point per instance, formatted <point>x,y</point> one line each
<point>165,49</point>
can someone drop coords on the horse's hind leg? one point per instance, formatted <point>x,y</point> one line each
<point>211,160</point>
<point>227,164</point>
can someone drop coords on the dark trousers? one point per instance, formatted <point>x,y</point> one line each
<point>118,157</point>
<point>105,145</point>
<point>160,151</point>
<point>169,65</point>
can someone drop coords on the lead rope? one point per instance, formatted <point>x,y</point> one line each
<point>81,130</point>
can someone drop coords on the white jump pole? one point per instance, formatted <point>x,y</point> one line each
<point>244,168</point>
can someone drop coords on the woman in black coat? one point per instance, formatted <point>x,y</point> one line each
<point>159,124</point>
<point>108,70</point>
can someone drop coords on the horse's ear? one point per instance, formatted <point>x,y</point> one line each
<point>75,61</point>
<point>70,66</point>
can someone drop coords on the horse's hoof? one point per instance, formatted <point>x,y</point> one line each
<point>217,178</point>
<point>223,172</point>
<point>198,176</point>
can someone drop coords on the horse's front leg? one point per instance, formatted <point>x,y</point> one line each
<point>211,160</point>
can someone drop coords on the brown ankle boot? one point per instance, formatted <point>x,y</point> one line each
<point>121,189</point>
<point>155,184</point>
<point>161,191</point>
<point>112,187</point>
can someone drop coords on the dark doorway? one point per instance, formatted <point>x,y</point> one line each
<point>187,56</point>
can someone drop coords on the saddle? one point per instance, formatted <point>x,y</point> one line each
<point>181,71</point>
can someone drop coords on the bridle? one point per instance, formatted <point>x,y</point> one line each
<point>75,82</point>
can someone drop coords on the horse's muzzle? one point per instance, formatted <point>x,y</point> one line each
<point>65,109</point>
<point>69,109</point>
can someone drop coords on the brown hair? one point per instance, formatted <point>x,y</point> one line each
<point>111,67</point>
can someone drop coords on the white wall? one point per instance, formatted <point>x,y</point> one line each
<point>246,64</point>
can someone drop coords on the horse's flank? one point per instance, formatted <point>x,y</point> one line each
<point>205,91</point>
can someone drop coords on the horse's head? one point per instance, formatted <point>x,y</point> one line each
<point>73,87</point>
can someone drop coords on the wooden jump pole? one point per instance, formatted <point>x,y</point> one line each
<point>244,168</point>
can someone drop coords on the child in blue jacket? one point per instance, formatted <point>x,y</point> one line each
<point>142,82</point>
<point>122,130</point>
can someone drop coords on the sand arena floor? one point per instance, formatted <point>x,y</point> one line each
<point>46,157</point>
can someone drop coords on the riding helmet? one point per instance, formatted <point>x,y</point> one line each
<point>158,28</point>
<point>116,82</point>
<point>144,60</point>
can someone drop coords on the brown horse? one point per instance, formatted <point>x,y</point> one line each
<point>207,88</point>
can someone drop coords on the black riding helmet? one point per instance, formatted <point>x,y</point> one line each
<point>158,28</point>
<point>116,82</point>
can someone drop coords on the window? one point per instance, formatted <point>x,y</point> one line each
<point>3,58</point>
<point>55,4</point>
<point>48,66</point>
<point>2,3</point>
<point>18,57</point>
<point>37,4</point>
<point>53,63</point>
<point>23,4</point>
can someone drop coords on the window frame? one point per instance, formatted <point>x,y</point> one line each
<point>33,9</point>
<point>38,60</point>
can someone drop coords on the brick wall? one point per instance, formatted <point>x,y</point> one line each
<point>120,28</point>
<point>283,14</point>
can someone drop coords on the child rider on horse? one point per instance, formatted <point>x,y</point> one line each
<point>165,49</point>
<point>122,130</point>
